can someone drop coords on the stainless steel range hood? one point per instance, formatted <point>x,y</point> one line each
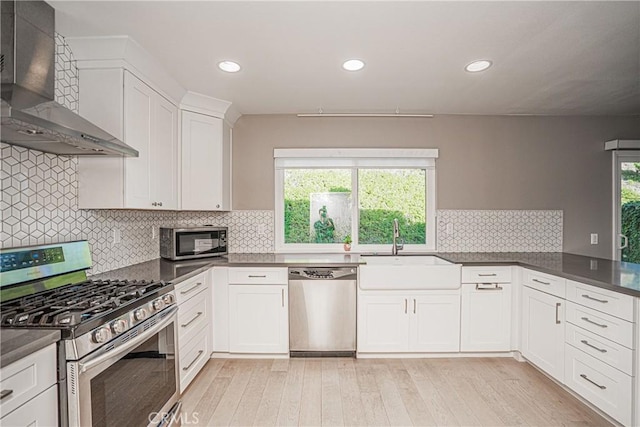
<point>30,117</point>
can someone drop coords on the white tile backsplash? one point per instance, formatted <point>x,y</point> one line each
<point>499,230</point>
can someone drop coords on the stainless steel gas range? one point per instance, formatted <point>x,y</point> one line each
<point>117,357</point>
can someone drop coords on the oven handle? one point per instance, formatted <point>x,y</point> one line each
<point>91,362</point>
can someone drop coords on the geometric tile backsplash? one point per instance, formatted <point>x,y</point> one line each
<point>499,230</point>
<point>39,205</point>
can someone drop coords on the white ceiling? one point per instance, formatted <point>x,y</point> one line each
<point>550,58</point>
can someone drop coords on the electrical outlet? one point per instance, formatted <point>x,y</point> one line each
<point>154,232</point>
<point>594,238</point>
<point>449,228</point>
<point>115,237</point>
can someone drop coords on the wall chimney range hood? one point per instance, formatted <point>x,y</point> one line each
<point>30,117</point>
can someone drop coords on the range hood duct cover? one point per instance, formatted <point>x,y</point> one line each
<point>30,117</point>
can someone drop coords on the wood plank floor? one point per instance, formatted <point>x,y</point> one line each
<point>379,392</point>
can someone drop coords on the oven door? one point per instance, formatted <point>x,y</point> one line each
<point>134,383</point>
<point>200,244</point>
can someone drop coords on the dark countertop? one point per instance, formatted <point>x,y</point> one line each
<point>18,343</point>
<point>614,275</point>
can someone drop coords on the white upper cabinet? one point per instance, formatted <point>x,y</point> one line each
<point>124,105</point>
<point>206,163</point>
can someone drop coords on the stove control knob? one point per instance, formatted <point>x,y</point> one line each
<point>118,326</point>
<point>100,335</point>
<point>158,304</point>
<point>140,314</point>
<point>168,299</point>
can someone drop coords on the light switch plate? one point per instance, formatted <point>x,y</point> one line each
<point>594,238</point>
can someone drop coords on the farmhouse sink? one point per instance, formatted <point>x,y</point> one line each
<point>409,272</point>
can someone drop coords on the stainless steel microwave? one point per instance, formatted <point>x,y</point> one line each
<point>177,243</point>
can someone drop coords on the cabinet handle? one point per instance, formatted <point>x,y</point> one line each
<point>159,203</point>
<point>414,306</point>
<point>186,368</point>
<point>282,297</point>
<point>487,274</point>
<point>585,342</point>
<point>405,306</point>
<point>217,206</point>
<point>541,282</point>
<point>604,301</point>
<point>191,288</point>
<point>558,313</point>
<point>495,287</point>
<point>586,378</point>
<point>192,320</point>
<point>586,319</point>
<point>262,276</point>
<point>5,393</point>
<point>154,204</point>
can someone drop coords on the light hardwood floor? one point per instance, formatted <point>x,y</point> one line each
<point>376,392</point>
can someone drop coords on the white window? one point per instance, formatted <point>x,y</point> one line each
<point>326,196</point>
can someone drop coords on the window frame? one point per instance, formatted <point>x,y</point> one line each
<point>355,158</point>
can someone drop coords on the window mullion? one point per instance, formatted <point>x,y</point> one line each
<point>354,206</point>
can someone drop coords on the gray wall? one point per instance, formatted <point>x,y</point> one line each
<point>485,162</point>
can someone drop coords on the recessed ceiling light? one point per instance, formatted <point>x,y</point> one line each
<point>229,66</point>
<point>477,66</point>
<point>353,65</point>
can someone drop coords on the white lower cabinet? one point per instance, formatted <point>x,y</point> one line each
<point>419,322</point>
<point>194,336</point>
<point>29,392</point>
<point>486,317</point>
<point>258,319</point>
<point>543,331</point>
<point>604,386</point>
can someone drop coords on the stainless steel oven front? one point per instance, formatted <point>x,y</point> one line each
<point>132,380</point>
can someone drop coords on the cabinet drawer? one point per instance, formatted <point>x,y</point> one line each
<point>193,356</point>
<point>602,349</point>
<point>192,316</point>
<point>613,303</point>
<point>190,287</point>
<point>40,411</point>
<point>486,274</point>
<point>605,387</point>
<point>545,282</point>
<point>27,377</point>
<point>612,328</point>
<point>258,276</point>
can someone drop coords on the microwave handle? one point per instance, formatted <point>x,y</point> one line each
<point>92,361</point>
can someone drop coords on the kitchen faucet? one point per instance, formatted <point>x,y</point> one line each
<point>396,236</point>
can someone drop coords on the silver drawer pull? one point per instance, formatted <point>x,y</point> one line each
<point>487,274</point>
<point>604,301</point>
<point>558,313</point>
<point>541,282</point>
<point>488,287</point>
<point>585,342</point>
<point>192,320</point>
<point>5,393</point>
<point>191,288</point>
<point>586,378</point>
<point>586,319</point>
<point>262,276</point>
<point>186,368</point>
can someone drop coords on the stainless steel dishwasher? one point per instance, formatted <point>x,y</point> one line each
<point>322,311</point>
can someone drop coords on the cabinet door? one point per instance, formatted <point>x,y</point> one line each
<point>41,411</point>
<point>258,319</point>
<point>383,323</point>
<point>138,125</point>
<point>205,163</point>
<point>543,331</point>
<point>435,323</point>
<point>164,154</point>
<point>486,317</point>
